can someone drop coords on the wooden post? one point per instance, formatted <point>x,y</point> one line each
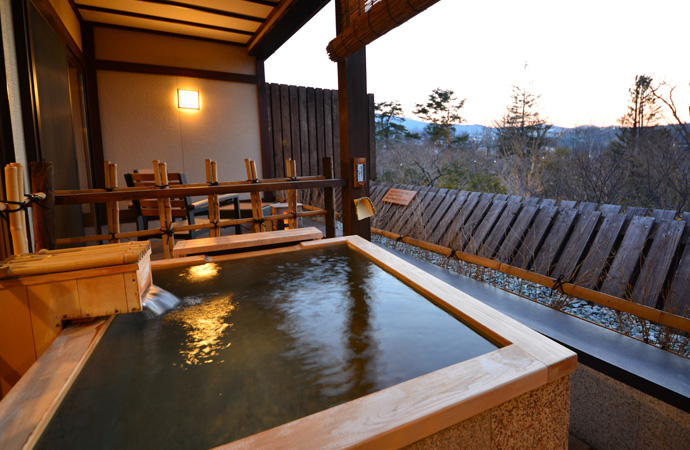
<point>168,209</point>
<point>291,172</point>
<point>216,202</point>
<point>354,132</point>
<point>329,198</point>
<point>19,241</point>
<point>161,210</point>
<point>20,185</point>
<point>257,211</point>
<point>44,218</point>
<point>209,180</point>
<point>114,206</point>
<point>108,207</point>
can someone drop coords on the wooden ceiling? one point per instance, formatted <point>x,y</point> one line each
<point>235,21</point>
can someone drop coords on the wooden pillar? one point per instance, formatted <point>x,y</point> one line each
<point>329,198</point>
<point>44,218</point>
<point>353,108</point>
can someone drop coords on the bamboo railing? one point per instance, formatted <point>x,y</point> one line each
<point>113,194</point>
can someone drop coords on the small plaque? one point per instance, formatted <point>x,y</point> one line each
<point>399,196</point>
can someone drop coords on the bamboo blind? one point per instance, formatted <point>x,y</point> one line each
<point>362,21</point>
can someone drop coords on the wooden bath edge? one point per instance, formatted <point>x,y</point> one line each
<point>31,403</point>
<point>393,417</point>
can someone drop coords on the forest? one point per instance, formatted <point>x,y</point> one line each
<point>643,161</point>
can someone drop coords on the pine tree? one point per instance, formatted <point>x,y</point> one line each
<point>389,122</point>
<point>521,131</point>
<point>442,113</point>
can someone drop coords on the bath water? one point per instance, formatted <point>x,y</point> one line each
<point>255,343</point>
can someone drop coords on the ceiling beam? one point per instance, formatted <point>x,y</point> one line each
<point>219,12</point>
<point>283,22</point>
<point>162,19</point>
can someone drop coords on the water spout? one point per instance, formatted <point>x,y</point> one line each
<point>158,301</point>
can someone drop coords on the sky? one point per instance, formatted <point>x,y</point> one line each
<point>579,57</point>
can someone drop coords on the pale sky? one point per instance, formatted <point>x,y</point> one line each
<point>582,57</point>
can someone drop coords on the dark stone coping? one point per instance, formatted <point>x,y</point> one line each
<point>656,372</point>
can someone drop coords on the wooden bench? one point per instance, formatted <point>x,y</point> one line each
<point>244,241</point>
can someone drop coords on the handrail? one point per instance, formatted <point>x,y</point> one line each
<point>187,190</point>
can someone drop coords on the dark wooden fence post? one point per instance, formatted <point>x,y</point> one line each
<point>44,218</point>
<point>329,198</point>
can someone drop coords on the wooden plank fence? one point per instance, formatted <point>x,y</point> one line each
<point>630,253</point>
<point>303,125</point>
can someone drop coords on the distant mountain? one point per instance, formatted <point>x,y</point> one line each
<point>566,136</point>
<point>417,126</point>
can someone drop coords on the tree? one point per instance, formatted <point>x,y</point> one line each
<point>642,115</point>
<point>389,122</point>
<point>522,145</point>
<point>657,168</point>
<point>682,129</point>
<point>521,131</point>
<point>442,113</point>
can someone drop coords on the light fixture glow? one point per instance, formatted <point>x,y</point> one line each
<point>187,99</point>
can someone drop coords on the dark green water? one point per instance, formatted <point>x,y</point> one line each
<point>256,343</point>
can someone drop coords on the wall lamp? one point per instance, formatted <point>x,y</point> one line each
<point>187,99</point>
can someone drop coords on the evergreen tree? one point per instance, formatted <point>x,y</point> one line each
<point>639,123</point>
<point>389,122</point>
<point>442,113</point>
<point>521,131</point>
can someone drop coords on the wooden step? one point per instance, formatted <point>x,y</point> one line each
<point>244,241</point>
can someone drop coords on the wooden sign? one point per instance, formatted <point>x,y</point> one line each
<point>399,196</point>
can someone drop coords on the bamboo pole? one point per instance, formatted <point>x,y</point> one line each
<point>161,210</point>
<point>168,209</point>
<point>67,265</point>
<point>600,298</point>
<point>188,186</point>
<point>108,207</point>
<point>21,196</point>
<point>257,212</point>
<point>310,212</point>
<point>328,199</point>
<point>19,240</point>
<point>114,206</point>
<point>259,207</point>
<point>216,202</point>
<point>209,180</point>
<point>292,193</point>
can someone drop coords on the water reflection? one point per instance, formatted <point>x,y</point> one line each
<point>202,272</point>
<point>206,324</point>
<point>361,343</point>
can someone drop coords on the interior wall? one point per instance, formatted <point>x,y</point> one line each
<point>140,120</point>
<point>13,84</point>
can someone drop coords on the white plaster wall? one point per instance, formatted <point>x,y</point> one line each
<point>139,116</point>
<point>147,48</point>
<point>12,76</point>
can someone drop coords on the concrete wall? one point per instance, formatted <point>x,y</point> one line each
<point>607,414</point>
<point>139,115</point>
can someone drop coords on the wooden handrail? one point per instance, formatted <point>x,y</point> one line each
<point>600,298</point>
<point>102,195</point>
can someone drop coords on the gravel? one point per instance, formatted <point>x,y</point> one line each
<point>635,327</point>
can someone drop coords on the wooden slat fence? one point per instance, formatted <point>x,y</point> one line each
<point>630,253</point>
<point>303,125</point>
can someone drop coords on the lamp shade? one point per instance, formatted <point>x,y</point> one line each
<point>187,99</point>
